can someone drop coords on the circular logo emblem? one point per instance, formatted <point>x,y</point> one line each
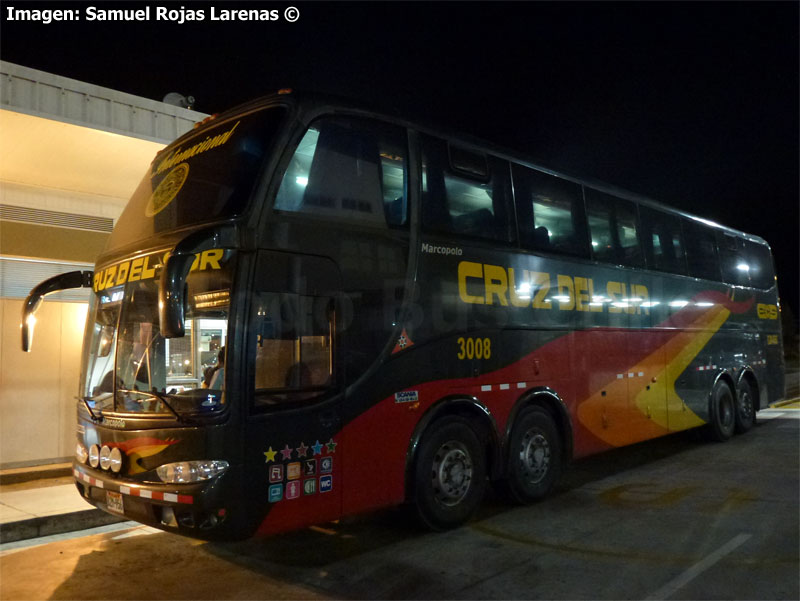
<point>167,190</point>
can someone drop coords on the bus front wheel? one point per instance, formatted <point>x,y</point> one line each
<point>722,414</point>
<point>450,473</point>
<point>535,452</point>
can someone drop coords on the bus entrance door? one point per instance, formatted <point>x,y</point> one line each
<point>295,412</point>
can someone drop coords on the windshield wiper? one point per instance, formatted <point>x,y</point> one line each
<point>88,407</point>
<point>155,393</point>
<point>163,399</point>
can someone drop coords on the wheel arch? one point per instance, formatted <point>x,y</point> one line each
<point>728,379</point>
<point>469,408</point>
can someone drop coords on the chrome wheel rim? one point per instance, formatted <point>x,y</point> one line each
<point>534,456</point>
<point>451,473</point>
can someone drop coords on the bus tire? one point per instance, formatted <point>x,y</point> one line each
<point>745,408</point>
<point>722,413</point>
<point>450,473</point>
<point>535,452</point>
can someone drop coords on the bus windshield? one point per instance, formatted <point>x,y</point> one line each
<point>205,177</point>
<point>129,367</point>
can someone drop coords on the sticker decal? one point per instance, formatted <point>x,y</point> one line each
<point>276,473</point>
<point>293,471</point>
<point>286,452</point>
<point>270,455</point>
<point>310,467</point>
<point>331,446</point>
<point>326,465</point>
<point>275,493</point>
<point>407,396</point>
<point>317,448</point>
<point>310,486</point>
<point>403,342</point>
<point>293,489</point>
<point>302,450</point>
<point>325,484</point>
<point>167,190</point>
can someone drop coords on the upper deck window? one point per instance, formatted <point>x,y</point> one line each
<point>701,250</point>
<point>465,192</point>
<point>759,260</point>
<point>733,261</point>
<point>351,169</point>
<point>549,212</point>
<point>613,224</point>
<point>663,241</point>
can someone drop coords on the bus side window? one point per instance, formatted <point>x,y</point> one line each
<point>294,347</point>
<point>549,212</point>
<point>701,251</point>
<point>614,229</point>
<point>734,264</point>
<point>759,259</point>
<point>349,169</point>
<point>465,193</point>
<point>663,241</point>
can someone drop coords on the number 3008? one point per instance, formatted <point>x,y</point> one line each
<point>474,348</point>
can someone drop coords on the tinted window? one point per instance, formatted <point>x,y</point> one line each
<point>614,230</point>
<point>549,212</point>
<point>734,264</point>
<point>759,259</point>
<point>701,250</point>
<point>663,241</point>
<point>469,195</point>
<point>349,169</point>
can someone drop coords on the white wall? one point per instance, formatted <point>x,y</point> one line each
<point>38,389</point>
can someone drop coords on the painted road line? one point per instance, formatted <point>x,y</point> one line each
<point>701,566</point>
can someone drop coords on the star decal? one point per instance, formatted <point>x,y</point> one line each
<point>331,446</point>
<point>317,448</point>
<point>302,450</point>
<point>286,452</point>
<point>270,455</point>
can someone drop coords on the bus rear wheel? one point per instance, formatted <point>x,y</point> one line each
<point>745,408</point>
<point>450,473</point>
<point>535,451</point>
<point>722,413</point>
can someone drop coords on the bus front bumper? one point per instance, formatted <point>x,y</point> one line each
<point>191,509</point>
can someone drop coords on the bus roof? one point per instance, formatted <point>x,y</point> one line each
<point>311,105</point>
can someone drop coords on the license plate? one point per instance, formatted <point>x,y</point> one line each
<point>114,502</point>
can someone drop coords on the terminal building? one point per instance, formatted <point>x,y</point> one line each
<point>71,153</point>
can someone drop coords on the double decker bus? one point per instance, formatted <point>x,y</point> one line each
<point>308,310</point>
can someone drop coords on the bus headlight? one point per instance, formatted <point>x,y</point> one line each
<point>81,454</point>
<point>115,460</point>
<point>94,455</point>
<point>184,472</point>
<point>105,457</point>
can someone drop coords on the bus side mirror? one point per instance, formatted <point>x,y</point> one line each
<point>64,281</point>
<point>172,295</point>
<point>172,285</point>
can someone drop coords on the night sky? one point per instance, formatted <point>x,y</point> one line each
<point>692,104</point>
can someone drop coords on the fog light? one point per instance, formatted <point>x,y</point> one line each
<point>105,458</point>
<point>81,454</point>
<point>116,460</point>
<point>184,472</point>
<point>94,455</point>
